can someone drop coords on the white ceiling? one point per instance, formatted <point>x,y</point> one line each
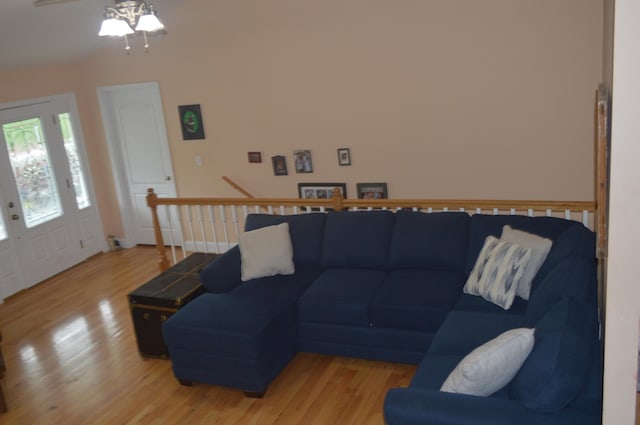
<point>57,33</point>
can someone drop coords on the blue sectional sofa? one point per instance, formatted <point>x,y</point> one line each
<point>389,286</point>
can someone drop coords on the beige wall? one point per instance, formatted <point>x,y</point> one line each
<point>490,99</point>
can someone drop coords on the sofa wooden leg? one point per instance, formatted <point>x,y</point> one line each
<point>185,382</point>
<point>254,394</point>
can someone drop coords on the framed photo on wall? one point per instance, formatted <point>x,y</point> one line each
<point>255,157</point>
<point>320,190</point>
<point>372,190</point>
<point>344,156</point>
<point>279,163</point>
<point>191,122</point>
<point>302,161</point>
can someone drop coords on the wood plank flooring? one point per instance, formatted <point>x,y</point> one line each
<point>72,359</point>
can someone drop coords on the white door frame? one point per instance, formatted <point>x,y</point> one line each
<point>93,242</point>
<point>118,168</point>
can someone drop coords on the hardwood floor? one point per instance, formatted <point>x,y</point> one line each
<point>71,358</point>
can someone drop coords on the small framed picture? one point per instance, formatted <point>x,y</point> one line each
<point>320,190</point>
<point>191,122</point>
<point>372,190</point>
<point>344,156</point>
<point>302,161</point>
<point>255,157</point>
<point>279,163</point>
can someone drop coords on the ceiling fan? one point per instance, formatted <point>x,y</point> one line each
<point>38,3</point>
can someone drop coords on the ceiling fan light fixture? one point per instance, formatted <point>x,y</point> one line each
<point>112,27</point>
<point>125,15</point>
<point>149,23</point>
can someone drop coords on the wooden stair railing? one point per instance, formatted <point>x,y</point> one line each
<point>237,187</point>
<point>583,211</point>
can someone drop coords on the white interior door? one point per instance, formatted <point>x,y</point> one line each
<point>50,221</point>
<point>135,127</point>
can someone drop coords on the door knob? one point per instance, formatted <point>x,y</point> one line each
<point>168,178</point>
<point>11,204</point>
<point>15,217</point>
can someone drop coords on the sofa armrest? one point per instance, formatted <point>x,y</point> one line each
<point>415,406</point>
<point>223,274</point>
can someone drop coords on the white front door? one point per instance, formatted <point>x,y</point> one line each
<point>10,278</point>
<point>50,221</point>
<point>134,123</point>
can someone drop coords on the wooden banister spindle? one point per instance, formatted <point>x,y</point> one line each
<point>163,261</point>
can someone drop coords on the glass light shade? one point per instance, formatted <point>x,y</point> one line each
<point>115,27</point>
<point>149,22</point>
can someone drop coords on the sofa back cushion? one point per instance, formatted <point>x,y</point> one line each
<point>358,239</point>
<point>306,231</point>
<point>555,372</point>
<point>435,241</point>
<point>482,225</point>
<point>575,241</point>
<point>573,277</point>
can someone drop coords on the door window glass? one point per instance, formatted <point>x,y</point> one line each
<point>75,165</point>
<point>31,166</point>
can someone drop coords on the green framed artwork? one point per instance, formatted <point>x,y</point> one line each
<point>191,122</point>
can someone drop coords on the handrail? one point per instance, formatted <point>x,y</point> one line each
<point>338,203</point>
<point>237,187</point>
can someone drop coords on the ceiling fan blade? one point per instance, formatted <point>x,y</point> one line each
<point>38,3</point>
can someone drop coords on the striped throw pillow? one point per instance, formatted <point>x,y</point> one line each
<point>498,271</point>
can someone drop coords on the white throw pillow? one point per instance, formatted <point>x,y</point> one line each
<point>539,249</point>
<point>266,252</point>
<point>498,271</point>
<point>491,366</point>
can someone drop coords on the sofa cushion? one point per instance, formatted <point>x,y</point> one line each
<point>434,370</point>
<point>225,323</point>
<point>498,271</point>
<point>468,302</point>
<point>573,277</point>
<point>559,364</point>
<point>539,249</point>
<point>394,345</point>
<point>341,296</point>
<point>482,225</point>
<point>462,331</point>
<point>492,365</point>
<point>416,299</point>
<point>575,241</point>
<point>277,289</point>
<point>266,252</point>
<point>436,241</point>
<point>305,231</point>
<point>359,239</point>
<point>222,274</point>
